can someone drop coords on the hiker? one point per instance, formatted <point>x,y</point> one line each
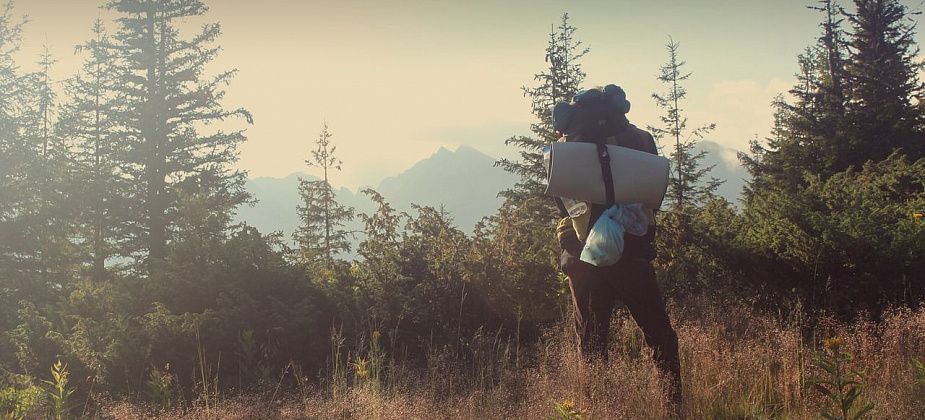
<point>595,115</point>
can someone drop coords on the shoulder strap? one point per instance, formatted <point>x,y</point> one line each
<point>563,212</point>
<point>604,158</point>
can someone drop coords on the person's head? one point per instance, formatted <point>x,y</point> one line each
<point>593,114</point>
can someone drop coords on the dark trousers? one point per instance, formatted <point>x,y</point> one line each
<point>594,292</point>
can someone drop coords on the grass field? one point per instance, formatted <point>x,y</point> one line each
<point>736,365</point>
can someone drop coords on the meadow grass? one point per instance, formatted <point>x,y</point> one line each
<point>736,365</point>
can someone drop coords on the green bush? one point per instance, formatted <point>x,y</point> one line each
<point>17,403</point>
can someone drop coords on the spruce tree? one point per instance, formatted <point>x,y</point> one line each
<point>10,87</point>
<point>681,245</point>
<point>813,132</point>
<point>687,184</point>
<point>833,42</point>
<point>11,144</point>
<point>13,202</point>
<point>166,105</point>
<point>521,237</point>
<point>557,83</point>
<point>886,93</point>
<point>45,221</point>
<point>87,121</point>
<point>321,235</point>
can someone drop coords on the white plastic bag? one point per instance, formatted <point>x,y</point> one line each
<point>604,245</point>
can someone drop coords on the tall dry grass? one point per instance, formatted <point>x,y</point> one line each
<point>736,365</point>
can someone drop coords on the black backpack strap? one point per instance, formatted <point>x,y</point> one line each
<point>603,156</point>
<point>563,212</point>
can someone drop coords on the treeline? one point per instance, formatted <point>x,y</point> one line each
<point>118,254</point>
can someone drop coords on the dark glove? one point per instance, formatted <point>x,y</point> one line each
<point>571,246</point>
<point>568,261</point>
<point>570,243</point>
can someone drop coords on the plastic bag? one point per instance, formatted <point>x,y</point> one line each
<point>604,245</point>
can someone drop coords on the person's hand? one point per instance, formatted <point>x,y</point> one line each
<point>568,241</point>
<point>568,261</point>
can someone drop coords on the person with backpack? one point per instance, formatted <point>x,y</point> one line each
<point>599,116</point>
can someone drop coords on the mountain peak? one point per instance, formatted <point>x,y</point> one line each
<point>462,151</point>
<point>442,151</point>
<point>467,150</point>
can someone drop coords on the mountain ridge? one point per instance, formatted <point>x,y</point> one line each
<point>464,181</point>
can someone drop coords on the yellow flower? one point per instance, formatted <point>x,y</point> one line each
<point>362,370</point>
<point>568,405</point>
<point>918,215</point>
<point>833,343</point>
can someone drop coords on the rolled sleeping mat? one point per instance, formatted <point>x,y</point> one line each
<point>575,172</point>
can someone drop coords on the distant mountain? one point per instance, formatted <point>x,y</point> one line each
<point>275,209</point>
<point>465,182</point>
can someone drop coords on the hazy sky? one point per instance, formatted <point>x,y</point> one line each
<point>395,80</point>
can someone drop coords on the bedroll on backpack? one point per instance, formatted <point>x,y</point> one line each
<point>575,171</point>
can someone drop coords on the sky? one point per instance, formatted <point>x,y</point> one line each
<point>397,80</point>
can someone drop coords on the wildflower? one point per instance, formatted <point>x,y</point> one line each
<point>918,215</point>
<point>833,343</point>
<point>565,410</point>
<point>362,370</point>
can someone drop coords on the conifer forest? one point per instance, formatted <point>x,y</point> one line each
<point>130,289</point>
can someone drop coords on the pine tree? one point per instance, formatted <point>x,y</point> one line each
<point>833,44</point>
<point>46,250</point>
<point>886,93</point>
<point>11,144</point>
<point>558,83</point>
<point>521,237</point>
<point>10,88</point>
<point>87,121</point>
<point>166,103</point>
<point>818,118</point>
<point>681,245</point>
<point>812,134</point>
<point>13,168</point>
<point>321,235</point>
<point>687,184</point>
<point>763,161</point>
